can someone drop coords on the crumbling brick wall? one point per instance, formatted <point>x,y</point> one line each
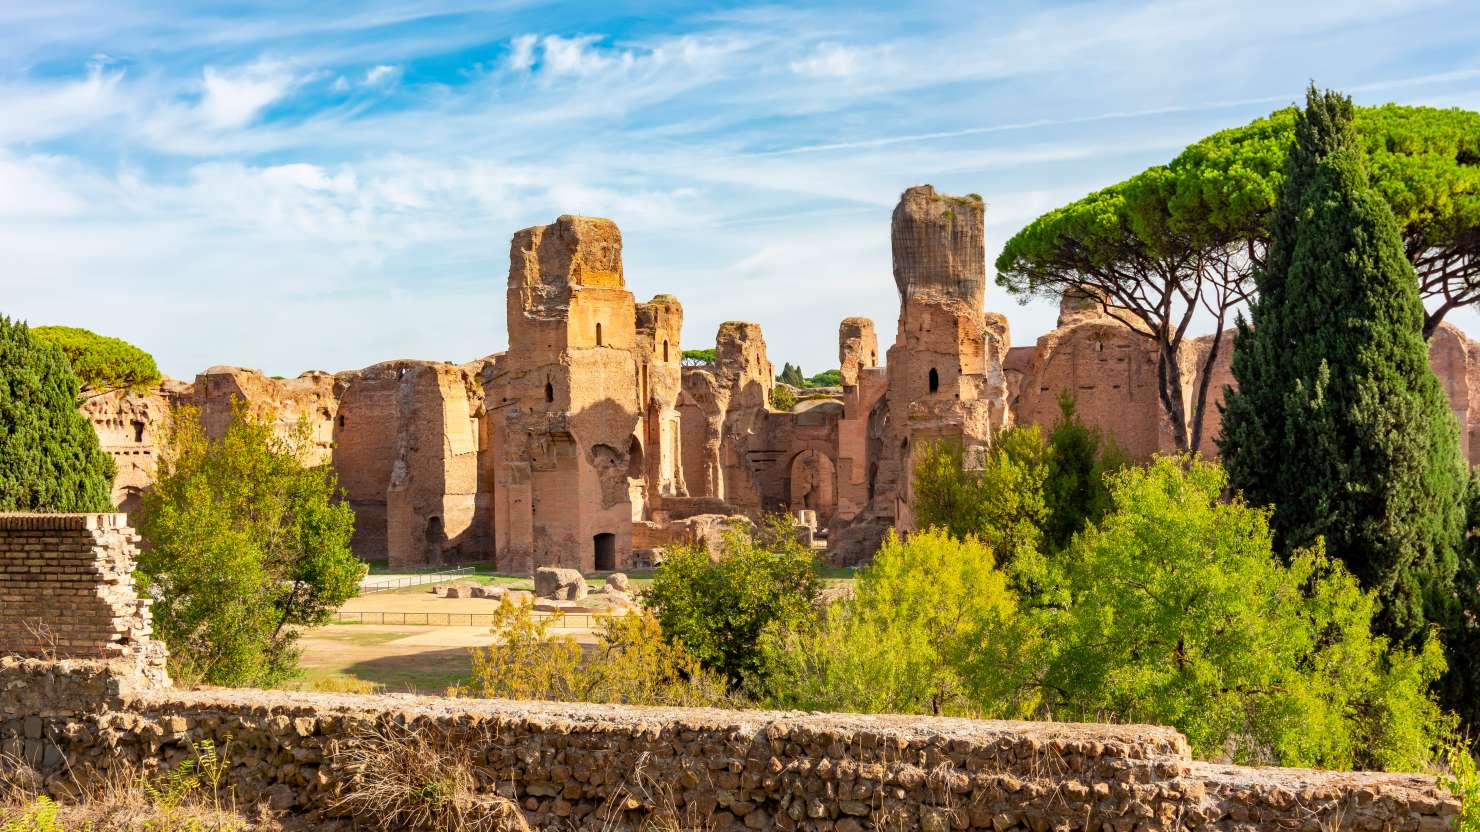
<point>66,590</point>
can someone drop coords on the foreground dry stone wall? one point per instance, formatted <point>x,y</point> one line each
<point>576,766</point>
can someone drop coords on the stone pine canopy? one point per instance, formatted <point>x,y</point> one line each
<point>1213,202</point>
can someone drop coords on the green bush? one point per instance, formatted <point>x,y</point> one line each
<point>783,398</point>
<point>717,609</point>
<point>999,501</point>
<point>1173,608</point>
<point>632,663</point>
<point>50,460</point>
<point>103,365</point>
<point>246,545</point>
<point>924,611</point>
<point>1182,614</point>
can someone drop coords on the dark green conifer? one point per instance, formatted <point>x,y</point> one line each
<point>1338,422</point>
<point>49,455</point>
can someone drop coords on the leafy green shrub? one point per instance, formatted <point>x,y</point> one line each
<point>1462,780</point>
<point>783,398</point>
<point>632,663</point>
<point>50,460</point>
<point>1182,614</point>
<point>1000,501</point>
<point>246,546</point>
<point>921,611</point>
<point>103,365</point>
<point>717,609</point>
<point>1075,491</point>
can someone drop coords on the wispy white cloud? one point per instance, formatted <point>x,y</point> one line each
<point>234,97</point>
<point>292,189</point>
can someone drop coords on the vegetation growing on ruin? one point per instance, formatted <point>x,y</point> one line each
<point>103,365</point>
<point>717,609</point>
<point>50,459</point>
<point>1337,421</point>
<point>245,545</point>
<point>783,398</point>
<point>1183,239</point>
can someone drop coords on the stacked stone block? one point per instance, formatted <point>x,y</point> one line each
<point>66,590</point>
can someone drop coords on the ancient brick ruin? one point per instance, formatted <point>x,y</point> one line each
<point>92,705</point>
<point>587,444</point>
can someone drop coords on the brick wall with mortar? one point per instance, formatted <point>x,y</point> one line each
<point>66,590</point>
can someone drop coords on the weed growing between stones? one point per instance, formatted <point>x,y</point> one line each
<point>191,797</point>
<point>422,780</point>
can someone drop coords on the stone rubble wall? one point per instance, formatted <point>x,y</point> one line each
<point>86,708</point>
<point>578,766</point>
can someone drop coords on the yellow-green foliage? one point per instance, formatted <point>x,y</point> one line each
<point>246,546</point>
<point>39,816</point>
<point>631,663</point>
<point>924,612</point>
<point>102,364</point>
<point>1172,609</point>
<point>1462,780</point>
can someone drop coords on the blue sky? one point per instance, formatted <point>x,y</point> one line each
<point>292,186</point>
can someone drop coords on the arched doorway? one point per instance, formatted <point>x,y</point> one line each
<point>606,551</point>
<point>814,484</point>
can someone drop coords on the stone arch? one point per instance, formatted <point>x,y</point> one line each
<point>813,484</point>
<point>934,380</point>
<point>635,458</point>
<point>598,333</point>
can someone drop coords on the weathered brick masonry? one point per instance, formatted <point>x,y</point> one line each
<point>66,589</point>
<point>608,767</point>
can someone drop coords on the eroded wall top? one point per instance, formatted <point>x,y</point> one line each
<point>938,246</point>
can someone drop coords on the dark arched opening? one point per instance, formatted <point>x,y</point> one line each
<point>606,551</point>
<point>138,431</point>
<point>598,335</point>
<point>435,537</point>
<point>934,380</point>
<point>549,392</point>
<point>665,352</point>
<point>634,457</point>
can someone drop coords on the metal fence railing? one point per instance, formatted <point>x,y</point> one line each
<point>461,619</point>
<point>415,580</point>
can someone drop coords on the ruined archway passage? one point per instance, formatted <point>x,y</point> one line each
<point>814,485</point>
<point>605,545</point>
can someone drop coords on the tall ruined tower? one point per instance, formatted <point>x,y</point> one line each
<point>564,401</point>
<point>943,379</point>
<point>945,368</point>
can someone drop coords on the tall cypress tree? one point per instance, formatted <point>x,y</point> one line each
<point>49,454</point>
<point>1338,422</point>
